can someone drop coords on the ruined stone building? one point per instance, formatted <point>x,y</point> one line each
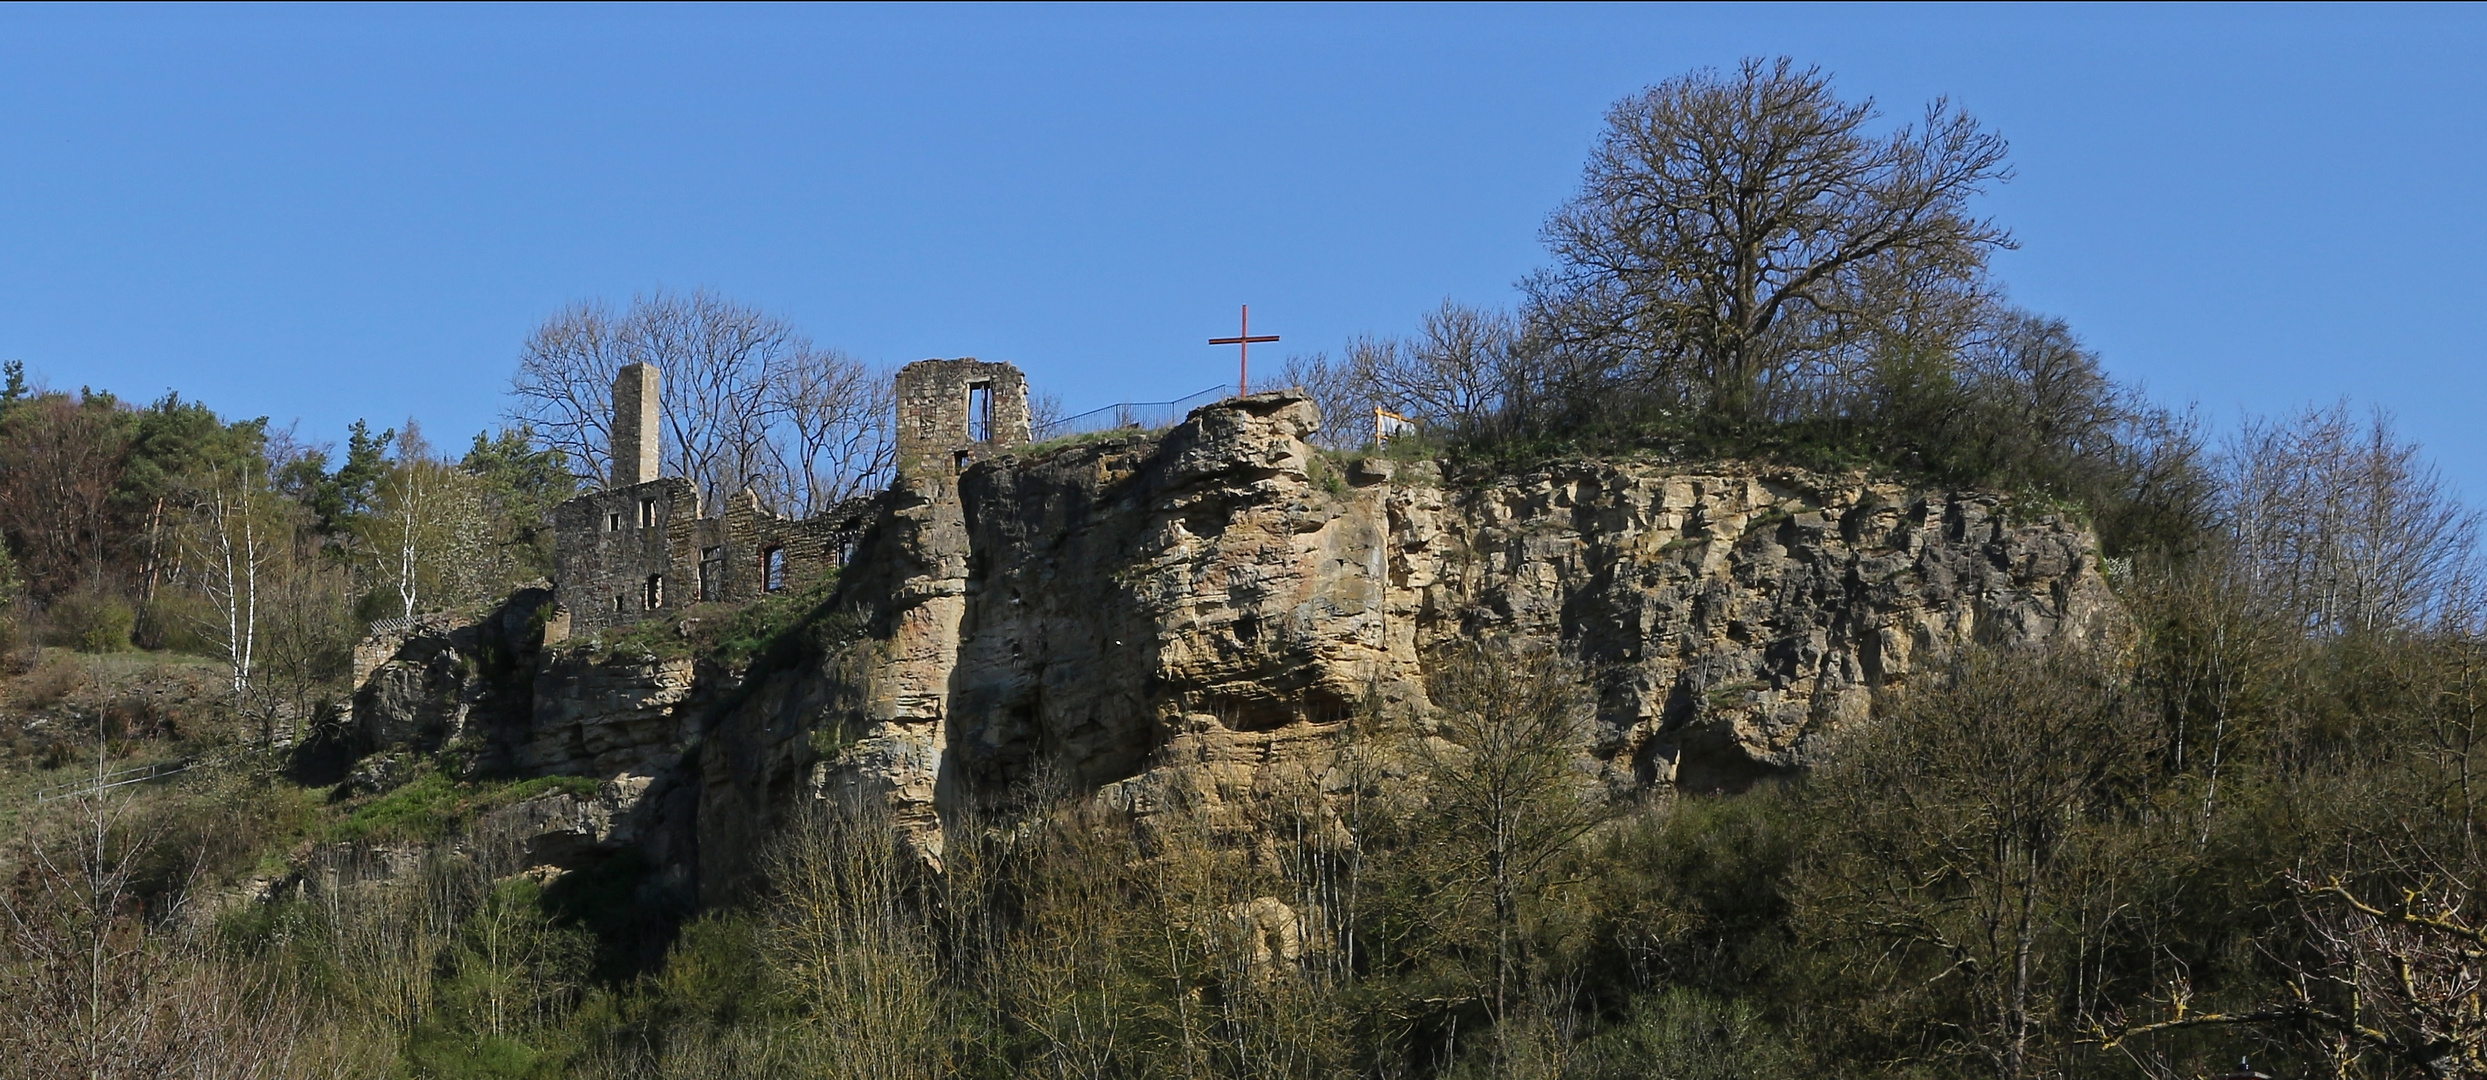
<point>644,546</point>
<point>1181,620</point>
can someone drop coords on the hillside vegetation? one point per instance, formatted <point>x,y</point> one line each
<point>2246,822</point>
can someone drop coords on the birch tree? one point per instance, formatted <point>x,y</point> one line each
<point>231,537</point>
<point>425,539</point>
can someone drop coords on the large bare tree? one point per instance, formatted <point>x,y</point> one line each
<point>1742,239</point>
<point>833,436</point>
<point>749,401</point>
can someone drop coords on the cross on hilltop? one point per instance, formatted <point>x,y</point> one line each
<point>1242,341</point>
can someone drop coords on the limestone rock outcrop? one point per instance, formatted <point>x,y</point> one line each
<point>566,831</point>
<point>1207,605</point>
<point>1213,600</point>
<point>425,682</point>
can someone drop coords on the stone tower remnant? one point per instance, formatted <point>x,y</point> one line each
<point>637,392</point>
<point>951,410</point>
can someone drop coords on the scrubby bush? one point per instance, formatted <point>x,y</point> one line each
<point>90,620</point>
<point>173,621</point>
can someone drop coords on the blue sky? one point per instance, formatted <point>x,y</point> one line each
<point>329,213</point>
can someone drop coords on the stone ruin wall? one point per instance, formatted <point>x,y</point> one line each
<point>730,554</point>
<point>638,418</point>
<point>609,545</point>
<point>936,405</point>
<point>604,555</point>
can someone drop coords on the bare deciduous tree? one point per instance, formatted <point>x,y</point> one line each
<point>1453,376</point>
<point>1742,236</point>
<point>94,988</point>
<point>834,439</point>
<point>307,629</point>
<point>748,399</point>
<point>1961,847</point>
<point>851,942</point>
<point>393,936</point>
<point>564,385</point>
<point>2344,525</point>
<point>1344,400</point>
<point>1506,782</point>
<point>720,360</point>
<point>2402,978</point>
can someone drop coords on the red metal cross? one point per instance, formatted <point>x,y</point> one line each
<point>1243,351</point>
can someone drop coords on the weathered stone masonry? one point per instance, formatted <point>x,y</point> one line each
<point>646,547</point>
<point>626,554</point>
<point>637,419</point>
<point>950,411</point>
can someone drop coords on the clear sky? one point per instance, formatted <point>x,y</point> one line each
<point>329,213</point>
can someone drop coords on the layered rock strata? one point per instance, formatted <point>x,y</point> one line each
<point>1212,600</point>
<point>1208,604</point>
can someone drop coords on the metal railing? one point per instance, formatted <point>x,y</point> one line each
<point>140,774</point>
<point>391,625</point>
<point>1143,415</point>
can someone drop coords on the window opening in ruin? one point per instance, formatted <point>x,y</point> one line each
<point>711,573</point>
<point>618,601</point>
<point>979,411</point>
<point>958,460</point>
<point>846,551</point>
<point>773,568</point>
<point>647,513</point>
<point>656,591</point>
<point>613,522</point>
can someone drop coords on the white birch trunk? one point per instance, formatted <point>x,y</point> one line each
<point>408,535</point>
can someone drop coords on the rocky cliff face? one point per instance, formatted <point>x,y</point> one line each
<point>1208,604</point>
<point>1211,598</point>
